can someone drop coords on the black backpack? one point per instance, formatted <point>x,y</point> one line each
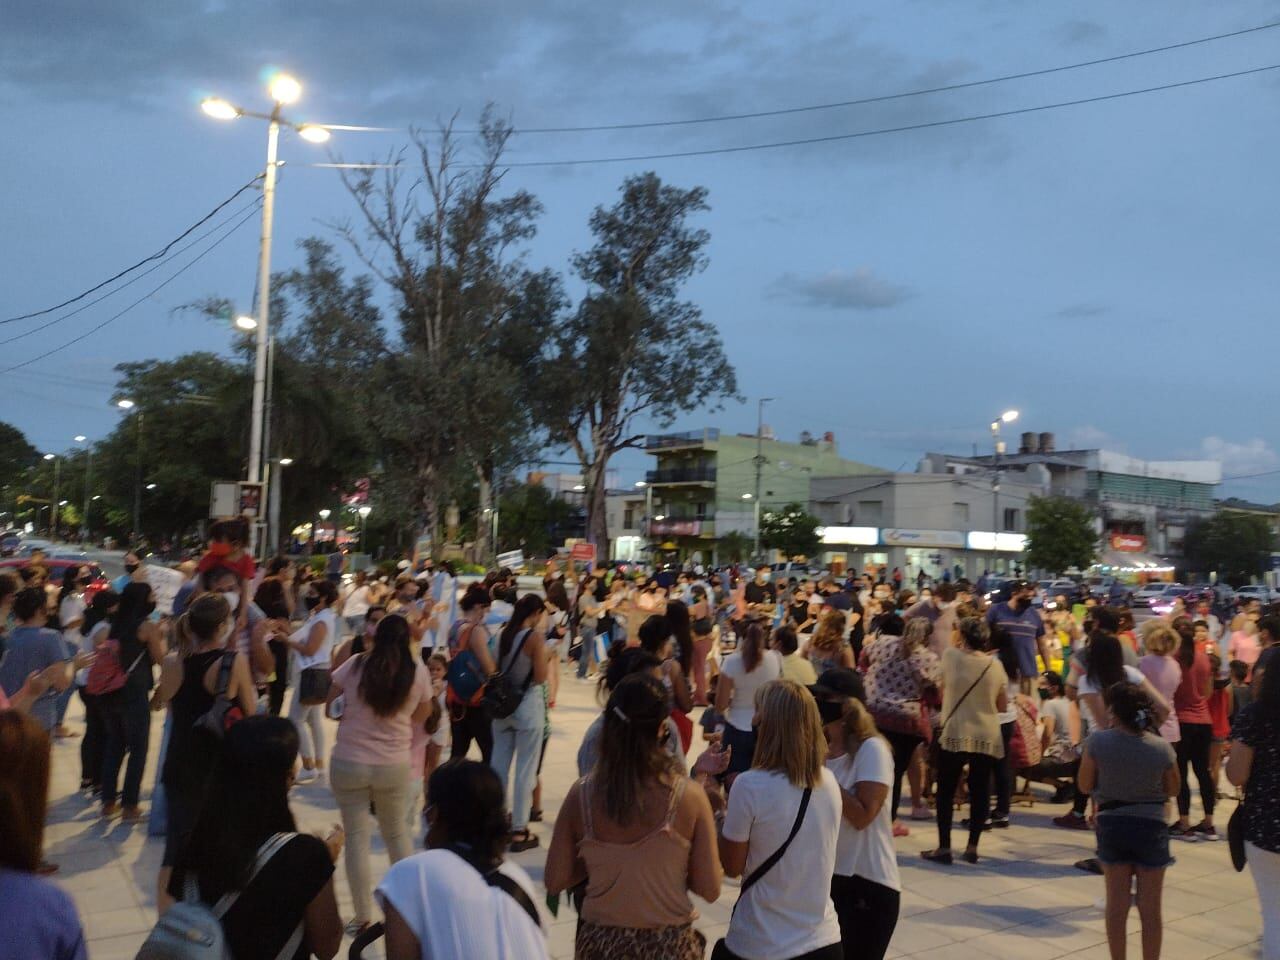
<point>501,696</point>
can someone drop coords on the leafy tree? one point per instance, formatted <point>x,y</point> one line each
<point>16,452</point>
<point>532,518</point>
<point>1237,546</point>
<point>633,349</point>
<point>1060,534</point>
<point>734,547</point>
<point>450,255</point>
<point>791,530</point>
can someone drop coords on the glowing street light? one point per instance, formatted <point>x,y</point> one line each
<point>125,404</point>
<point>219,109</point>
<point>284,89</point>
<point>314,133</point>
<point>80,438</point>
<point>50,456</point>
<point>151,486</point>
<point>286,461</point>
<point>246,322</point>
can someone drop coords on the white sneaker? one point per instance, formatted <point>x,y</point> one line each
<point>305,776</point>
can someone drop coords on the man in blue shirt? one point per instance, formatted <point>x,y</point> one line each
<point>1024,626</point>
<point>33,648</point>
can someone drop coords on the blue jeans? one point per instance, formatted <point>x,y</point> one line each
<point>519,736</point>
<point>587,655</point>
<point>127,729</point>
<point>64,701</point>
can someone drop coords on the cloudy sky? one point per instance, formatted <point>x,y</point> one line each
<point>1108,269</point>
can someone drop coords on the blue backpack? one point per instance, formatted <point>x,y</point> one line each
<point>465,677</point>
<point>192,930</point>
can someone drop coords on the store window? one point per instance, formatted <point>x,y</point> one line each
<point>1010,519</point>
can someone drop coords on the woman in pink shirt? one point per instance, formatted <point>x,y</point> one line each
<point>386,692</point>
<point>1191,702</point>
<point>1244,644</point>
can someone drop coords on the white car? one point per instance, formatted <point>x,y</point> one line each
<point>1143,596</point>
<point>1256,591</point>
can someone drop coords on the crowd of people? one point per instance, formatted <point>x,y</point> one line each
<point>804,704</point>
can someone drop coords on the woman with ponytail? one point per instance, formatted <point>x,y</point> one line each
<point>641,836</point>
<point>744,672</point>
<point>386,692</point>
<point>1131,772</point>
<point>522,659</point>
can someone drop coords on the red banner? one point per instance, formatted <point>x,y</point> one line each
<point>1128,542</point>
<point>586,552</point>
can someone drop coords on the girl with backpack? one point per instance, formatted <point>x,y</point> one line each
<point>93,630</point>
<point>191,681</point>
<point>517,734</point>
<point>470,663</point>
<point>246,846</point>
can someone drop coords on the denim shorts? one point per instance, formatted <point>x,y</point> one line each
<point>1133,841</point>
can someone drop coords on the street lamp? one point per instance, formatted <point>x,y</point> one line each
<point>125,404</point>
<point>998,449</point>
<point>759,464</point>
<point>364,517</point>
<point>274,486</point>
<point>53,505</point>
<point>88,475</point>
<point>283,90</point>
<point>151,486</point>
<point>246,323</point>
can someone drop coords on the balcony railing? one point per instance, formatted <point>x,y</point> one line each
<point>668,527</point>
<point>705,475</point>
<point>690,438</point>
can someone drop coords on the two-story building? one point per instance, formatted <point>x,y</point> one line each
<point>703,485</point>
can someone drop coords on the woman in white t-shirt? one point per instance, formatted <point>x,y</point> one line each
<point>743,673</point>
<point>356,603</point>
<point>1106,668</point>
<point>313,644</point>
<point>865,888</point>
<point>458,899</point>
<point>785,912</point>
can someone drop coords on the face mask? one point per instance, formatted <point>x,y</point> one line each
<point>1022,603</point>
<point>233,600</point>
<point>830,711</point>
<point>311,600</point>
<point>130,567</point>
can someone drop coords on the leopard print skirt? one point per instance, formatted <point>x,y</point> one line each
<point>595,942</point>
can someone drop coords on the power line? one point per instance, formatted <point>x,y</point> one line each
<point>155,256</point>
<point>132,280</point>
<point>786,111</point>
<point>190,263</point>
<point>806,141</point>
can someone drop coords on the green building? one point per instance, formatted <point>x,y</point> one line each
<point>703,486</point>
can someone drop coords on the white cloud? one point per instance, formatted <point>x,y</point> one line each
<point>1240,459</point>
<point>857,289</point>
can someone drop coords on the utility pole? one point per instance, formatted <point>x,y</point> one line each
<point>998,448</point>
<point>760,459</point>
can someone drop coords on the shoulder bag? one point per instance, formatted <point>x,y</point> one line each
<point>1236,827</point>
<point>721,950</point>
<point>218,719</point>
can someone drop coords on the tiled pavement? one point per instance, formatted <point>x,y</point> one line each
<point>1024,900</point>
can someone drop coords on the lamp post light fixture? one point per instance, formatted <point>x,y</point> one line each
<point>246,323</point>
<point>125,404</point>
<point>54,504</point>
<point>283,90</point>
<point>364,512</point>
<point>88,476</point>
<point>152,486</point>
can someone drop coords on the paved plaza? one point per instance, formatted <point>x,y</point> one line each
<point>1024,900</point>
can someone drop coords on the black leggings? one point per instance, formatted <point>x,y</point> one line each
<point>904,747</point>
<point>474,724</point>
<point>949,767</point>
<point>277,687</point>
<point>868,914</point>
<point>1193,750</point>
<point>1004,772</point>
<point>91,747</point>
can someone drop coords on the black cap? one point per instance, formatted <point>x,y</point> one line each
<point>839,682</point>
<point>1017,584</point>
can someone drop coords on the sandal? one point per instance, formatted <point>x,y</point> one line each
<point>535,816</point>
<point>943,857</point>
<point>522,841</point>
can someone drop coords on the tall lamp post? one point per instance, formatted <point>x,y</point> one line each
<point>648,510</point>
<point>364,517</point>
<point>126,405</point>
<point>998,447</point>
<point>284,90</point>
<point>759,467</point>
<point>53,504</point>
<point>88,476</point>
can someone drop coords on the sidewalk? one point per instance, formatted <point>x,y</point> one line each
<point>1024,900</point>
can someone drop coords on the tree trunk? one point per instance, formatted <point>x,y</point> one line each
<point>429,481</point>
<point>485,547</point>
<point>597,517</point>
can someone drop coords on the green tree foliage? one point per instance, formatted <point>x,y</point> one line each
<point>633,350</point>
<point>1060,535</point>
<point>531,518</point>
<point>1237,546</point>
<point>734,547</point>
<point>791,530</point>
<point>16,452</point>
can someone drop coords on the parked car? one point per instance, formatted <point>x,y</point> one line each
<point>1143,596</point>
<point>1257,591</point>
<point>1047,590</point>
<point>9,543</point>
<point>1163,603</point>
<point>31,545</point>
<point>57,567</point>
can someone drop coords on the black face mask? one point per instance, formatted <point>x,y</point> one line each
<point>130,567</point>
<point>311,600</point>
<point>830,711</point>
<point>1021,603</point>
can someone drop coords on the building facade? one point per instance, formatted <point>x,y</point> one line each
<point>955,524</point>
<point>703,485</point>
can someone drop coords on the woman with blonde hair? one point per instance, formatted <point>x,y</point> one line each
<point>1162,671</point>
<point>866,888</point>
<point>780,832</point>
<point>829,647</point>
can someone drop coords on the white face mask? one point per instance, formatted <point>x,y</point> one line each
<point>233,600</point>
<point>225,636</point>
